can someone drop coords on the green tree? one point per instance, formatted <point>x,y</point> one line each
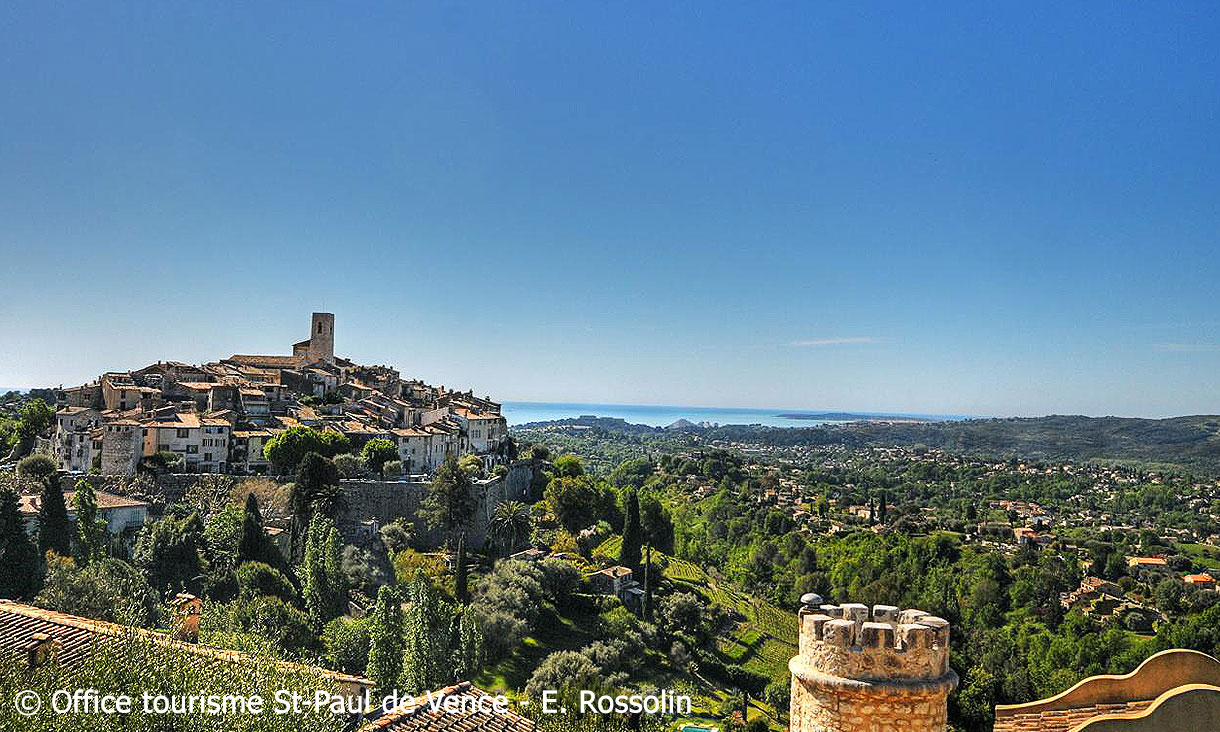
<point>169,551</point>
<point>316,489</point>
<point>323,584</point>
<point>510,523</point>
<point>656,524</point>
<point>256,579</point>
<point>18,556</point>
<point>108,589</point>
<point>577,502</point>
<point>34,419</point>
<point>251,547</point>
<point>569,465</point>
<point>335,443</point>
<point>91,533</point>
<point>450,503</point>
<point>386,639</point>
<point>632,473</point>
<point>347,645</point>
<point>54,529</point>
<point>426,625</point>
<point>629,551</point>
<point>37,467</point>
<point>471,465</point>
<point>461,580</point>
<point>376,453</point>
<point>287,449</point>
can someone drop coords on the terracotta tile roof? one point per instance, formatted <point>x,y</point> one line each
<point>199,385</point>
<point>76,636</point>
<point>418,715</point>
<point>32,502</point>
<point>1063,720</point>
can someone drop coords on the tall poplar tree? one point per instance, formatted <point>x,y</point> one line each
<point>324,587</point>
<point>385,640</point>
<point>427,662</point>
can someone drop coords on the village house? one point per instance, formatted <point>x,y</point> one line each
<point>1147,562</point>
<point>119,512</point>
<point>1203,581</point>
<point>617,581</point>
<point>219,417</point>
<point>73,443</point>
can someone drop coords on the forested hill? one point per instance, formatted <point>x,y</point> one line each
<point>1189,442</point>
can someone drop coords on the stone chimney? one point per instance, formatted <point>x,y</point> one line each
<point>42,648</point>
<point>186,609</point>
<point>870,670</point>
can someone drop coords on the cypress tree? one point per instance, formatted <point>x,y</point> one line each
<point>250,546</point>
<point>18,557</point>
<point>54,529</point>
<point>460,579</point>
<point>91,533</point>
<point>648,583</point>
<point>629,552</point>
<point>882,509</point>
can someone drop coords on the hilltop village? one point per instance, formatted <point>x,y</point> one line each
<point>218,417</point>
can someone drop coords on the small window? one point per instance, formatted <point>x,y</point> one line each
<point>184,433</point>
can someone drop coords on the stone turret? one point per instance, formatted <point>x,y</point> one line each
<point>870,669</point>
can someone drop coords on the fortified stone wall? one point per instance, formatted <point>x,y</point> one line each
<point>385,501</point>
<point>870,670</point>
<point>380,501</point>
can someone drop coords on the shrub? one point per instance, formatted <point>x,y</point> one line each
<point>108,589</point>
<point>255,579</point>
<point>563,671</point>
<point>349,466</point>
<point>561,580</point>
<point>392,469</point>
<point>36,467</point>
<point>270,618</point>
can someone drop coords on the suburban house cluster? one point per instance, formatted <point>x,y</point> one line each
<point>218,416</point>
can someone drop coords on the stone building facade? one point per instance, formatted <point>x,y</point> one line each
<point>870,670</point>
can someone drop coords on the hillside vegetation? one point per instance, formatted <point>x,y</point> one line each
<point>1188,442</point>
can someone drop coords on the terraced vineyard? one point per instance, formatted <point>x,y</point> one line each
<point>762,641</point>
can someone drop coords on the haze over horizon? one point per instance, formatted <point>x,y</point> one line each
<point>957,210</point>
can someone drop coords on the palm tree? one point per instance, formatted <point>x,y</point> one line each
<point>509,523</point>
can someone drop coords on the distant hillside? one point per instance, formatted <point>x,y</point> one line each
<point>609,424</point>
<point>1190,442</point>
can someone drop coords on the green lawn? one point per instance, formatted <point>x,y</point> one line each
<point>1205,554</point>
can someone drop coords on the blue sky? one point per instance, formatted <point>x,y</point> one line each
<point>955,209</point>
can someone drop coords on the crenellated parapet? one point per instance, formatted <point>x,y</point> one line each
<point>870,668</point>
<point>854,641</point>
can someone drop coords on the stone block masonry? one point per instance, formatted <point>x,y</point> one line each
<point>863,669</point>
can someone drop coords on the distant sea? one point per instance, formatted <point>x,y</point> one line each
<point>519,413</point>
<point>656,416</point>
